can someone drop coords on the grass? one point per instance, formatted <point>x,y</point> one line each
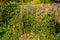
<point>39,9</point>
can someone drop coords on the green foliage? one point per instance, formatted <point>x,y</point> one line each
<point>18,1</point>
<point>36,22</point>
<point>51,37</point>
<point>47,1</point>
<point>39,22</point>
<point>35,2</point>
<point>16,20</point>
<point>40,1</point>
<point>10,12</point>
<point>28,1</point>
<point>57,36</point>
<point>11,0</point>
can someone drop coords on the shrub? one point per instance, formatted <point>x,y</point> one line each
<point>57,37</point>
<point>10,12</point>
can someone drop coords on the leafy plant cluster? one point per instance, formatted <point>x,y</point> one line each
<point>28,1</point>
<point>10,24</point>
<point>16,20</point>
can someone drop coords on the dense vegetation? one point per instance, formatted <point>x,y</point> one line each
<point>30,1</point>
<point>37,21</point>
<point>9,25</point>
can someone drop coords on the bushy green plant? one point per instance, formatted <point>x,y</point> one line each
<point>57,37</point>
<point>10,12</point>
<point>51,37</point>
